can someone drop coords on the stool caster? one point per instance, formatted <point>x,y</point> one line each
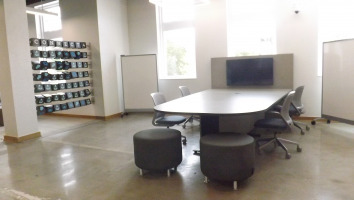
<point>299,149</point>
<point>287,155</point>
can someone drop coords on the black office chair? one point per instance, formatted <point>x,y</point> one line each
<point>160,119</point>
<point>278,122</point>
<point>296,109</point>
<point>185,92</point>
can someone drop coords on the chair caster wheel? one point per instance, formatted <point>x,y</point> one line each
<point>299,149</point>
<point>287,156</point>
<point>313,122</point>
<point>302,133</point>
<point>328,121</point>
<point>307,128</point>
<point>184,126</point>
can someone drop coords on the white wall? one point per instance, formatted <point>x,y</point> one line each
<point>210,41</point>
<point>79,23</point>
<point>297,34</point>
<point>16,84</point>
<point>114,42</point>
<point>31,26</point>
<point>103,23</point>
<point>210,26</point>
<point>142,27</point>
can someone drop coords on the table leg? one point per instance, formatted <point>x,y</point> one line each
<point>1,118</point>
<point>209,124</point>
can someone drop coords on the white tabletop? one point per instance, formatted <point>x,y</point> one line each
<point>224,101</point>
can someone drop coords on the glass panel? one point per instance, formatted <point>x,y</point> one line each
<point>52,23</point>
<point>180,52</point>
<point>177,41</point>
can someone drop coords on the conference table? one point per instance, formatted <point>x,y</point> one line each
<point>211,104</point>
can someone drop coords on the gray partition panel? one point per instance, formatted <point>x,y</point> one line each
<point>337,81</point>
<point>283,71</point>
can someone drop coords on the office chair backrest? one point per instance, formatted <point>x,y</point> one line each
<point>297,99</point>
<point>284,112</point>
<point>184,90</point>
<point>158,98</point>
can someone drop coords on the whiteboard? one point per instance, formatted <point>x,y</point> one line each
<point>139,77</point>
<point>338,81</point>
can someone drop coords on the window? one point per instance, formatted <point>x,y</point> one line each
<point>251,27</point>
<point>48,26</point>
<point>176,42</point>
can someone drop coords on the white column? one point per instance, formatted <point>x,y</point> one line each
<point>16,85</point>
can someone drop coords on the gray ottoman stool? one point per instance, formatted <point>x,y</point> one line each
<point>227,157</point>
<point>157,149</point>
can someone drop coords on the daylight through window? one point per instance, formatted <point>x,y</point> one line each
<point>176,42</point>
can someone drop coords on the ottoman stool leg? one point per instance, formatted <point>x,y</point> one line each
<point>235,185</point>
<point>141,172</point>
<point>168,173</point>
<point>206,179</point>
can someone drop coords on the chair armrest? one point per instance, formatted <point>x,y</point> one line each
<point>154,119</point>
<point>297,110</point>
<point>157,116</point>
<point>273,114</point>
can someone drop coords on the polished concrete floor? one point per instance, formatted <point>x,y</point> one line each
<point>94,160</point>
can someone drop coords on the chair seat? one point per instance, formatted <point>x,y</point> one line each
<point>171,120</point>
<point>273,123</point>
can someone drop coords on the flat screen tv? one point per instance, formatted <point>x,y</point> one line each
<point>248,72</point>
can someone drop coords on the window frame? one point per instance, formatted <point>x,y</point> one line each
<point>40,22</point>
<point>162,58</point>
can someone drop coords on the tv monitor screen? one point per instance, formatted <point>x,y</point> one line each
<point>246,72</point>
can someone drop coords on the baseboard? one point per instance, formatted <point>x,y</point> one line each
<point>304,118</point>
<point>70,115</point>
<point>86,116</point>
<point>310,119</point>
<point>112,116</point>
<point>23,138</point>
